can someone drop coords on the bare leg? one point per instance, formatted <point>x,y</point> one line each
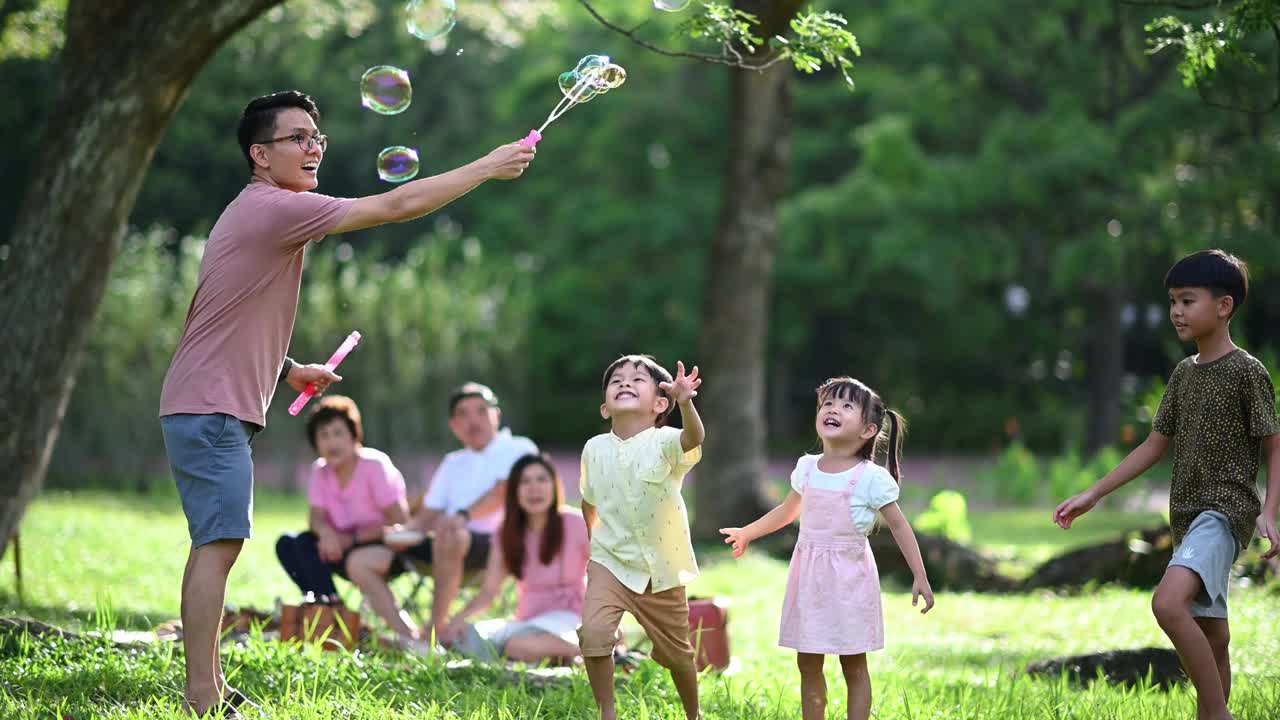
<point>813,686</point>
<point>448,552</point>
<point>1219,634</point>
<point>204,591</point>
<point>600,674</point>
<point>368,567</point>
<point>1172,607</point>
<point>539,646</point>
<point>858,681</point>
<point>684,674</point>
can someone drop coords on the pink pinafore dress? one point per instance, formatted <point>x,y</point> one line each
<point>832,605</point>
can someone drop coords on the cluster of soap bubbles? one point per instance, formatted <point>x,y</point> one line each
<point>386,89</point>
<point>593,75</point>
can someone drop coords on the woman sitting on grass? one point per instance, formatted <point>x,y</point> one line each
<point>354,491</point>
<point>544,545</point>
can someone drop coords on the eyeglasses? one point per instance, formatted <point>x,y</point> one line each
<point>305,142</point>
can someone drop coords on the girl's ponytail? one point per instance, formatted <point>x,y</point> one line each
<point>893,451</point>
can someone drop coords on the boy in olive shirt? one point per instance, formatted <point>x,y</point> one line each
<point>1219,412</point>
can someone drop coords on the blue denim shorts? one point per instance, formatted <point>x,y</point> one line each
<point>212,465</point>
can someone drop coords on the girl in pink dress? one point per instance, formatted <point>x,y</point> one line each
<point>832,605</point>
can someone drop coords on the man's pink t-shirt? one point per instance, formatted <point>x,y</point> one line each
<point>241,317</point>
<point>375,484</point>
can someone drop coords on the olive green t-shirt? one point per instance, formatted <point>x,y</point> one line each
<point>1217,414</point>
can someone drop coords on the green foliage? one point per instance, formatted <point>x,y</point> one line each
<point>948,516</point>
<point>816,38</point>
<point>1067,476</point>
<point>902,232</point>
<point>820,37</point>
<point>1206,46</point>
<point>441,314</point>
<point>31,29</point>
<point>1016,477</point>
<point>723,25</point>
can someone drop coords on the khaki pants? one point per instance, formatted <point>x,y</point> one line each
<point>664,617</point>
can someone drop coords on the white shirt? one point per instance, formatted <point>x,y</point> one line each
<point>465,475</point>
<point>875,489</point>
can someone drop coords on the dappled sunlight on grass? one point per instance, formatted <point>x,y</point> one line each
<point>94,558</point>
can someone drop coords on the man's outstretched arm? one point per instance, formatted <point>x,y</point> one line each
<point>420,197</point>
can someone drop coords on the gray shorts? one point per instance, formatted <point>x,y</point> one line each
<point>212,465</point>
<point>1208,549</point>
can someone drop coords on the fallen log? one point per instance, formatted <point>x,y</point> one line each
<point>1121,667</point>
<point>1137,560</point>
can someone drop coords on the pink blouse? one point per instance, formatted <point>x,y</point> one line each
<point>375,484</point>
<point>560,585</point>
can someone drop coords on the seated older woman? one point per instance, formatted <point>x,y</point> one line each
<point>355,492</point>
<point>544,546</point>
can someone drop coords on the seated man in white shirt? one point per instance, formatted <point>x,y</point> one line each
<point>462,511</point>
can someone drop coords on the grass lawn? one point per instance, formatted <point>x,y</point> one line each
<point>124,554</point>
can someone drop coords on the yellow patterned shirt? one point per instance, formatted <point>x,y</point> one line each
<point>634,484</point>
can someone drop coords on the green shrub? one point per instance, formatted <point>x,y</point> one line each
<point>948,516</point>
<point>1015,478</point>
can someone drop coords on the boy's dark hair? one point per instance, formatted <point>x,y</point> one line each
<point>1221,273</point>
<point>650,364</point>
<point>258,121</point>
<point>335,407</point>
<point>875,413</point>
<point>470,390</point>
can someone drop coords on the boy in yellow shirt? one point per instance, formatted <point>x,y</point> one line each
<point>641,553</point>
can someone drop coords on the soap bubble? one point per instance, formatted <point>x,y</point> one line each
<point>613,75</point>
<point>671,5</point>
<point>428,19</point>
<point>397,164</point>
<point>385,90</point>
<point>591,61</point>
<point>578,88</point>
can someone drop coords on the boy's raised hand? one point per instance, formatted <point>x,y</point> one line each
<point>684,387</point>
<point>736,537</point>
<point>1071,509</point>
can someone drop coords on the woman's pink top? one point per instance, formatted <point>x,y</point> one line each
<point>376,484</point>
<point>560,585</point>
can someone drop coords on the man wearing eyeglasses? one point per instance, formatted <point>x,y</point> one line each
<point>232,352</point>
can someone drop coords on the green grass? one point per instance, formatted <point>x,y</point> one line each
<point>84,551</point>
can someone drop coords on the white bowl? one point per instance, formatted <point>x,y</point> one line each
<point>405,537</point>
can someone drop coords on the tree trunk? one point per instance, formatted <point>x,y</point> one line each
<point>735,306</point>
<point>125,69</point>
<point>1105,367</point>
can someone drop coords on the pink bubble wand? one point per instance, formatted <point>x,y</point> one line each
<point>589,85</point>
<point>561,108</point>
<point>310,390</point>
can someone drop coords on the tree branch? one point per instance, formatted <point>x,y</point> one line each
<point>1254,110</point>
<point>723,59</point>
